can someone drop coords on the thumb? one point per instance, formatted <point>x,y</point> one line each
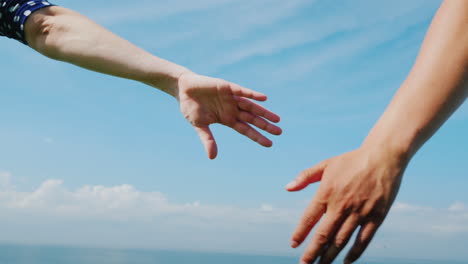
<point>208,141</point>
<point>306,177</point>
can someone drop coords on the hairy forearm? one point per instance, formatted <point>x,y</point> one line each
<point>435,88</point>
<point>65,35</point>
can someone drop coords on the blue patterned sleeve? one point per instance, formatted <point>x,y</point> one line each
<point>13,15</point>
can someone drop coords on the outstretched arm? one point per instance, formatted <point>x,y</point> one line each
<point>65,35</point>
<point>358,188</point>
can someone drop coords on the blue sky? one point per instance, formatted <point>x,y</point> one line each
<point>95,160</point>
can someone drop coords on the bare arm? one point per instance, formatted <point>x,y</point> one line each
<point>358,188</point>
<point>435,88</point>
<point>65,35</point>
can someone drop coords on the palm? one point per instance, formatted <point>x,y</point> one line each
<point>204,101</point>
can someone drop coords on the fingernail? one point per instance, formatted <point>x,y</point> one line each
<point>291,185</point>
<point>294,244</point>
<point>303,262</point>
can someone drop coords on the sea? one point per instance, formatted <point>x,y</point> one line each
<point>32,254</point>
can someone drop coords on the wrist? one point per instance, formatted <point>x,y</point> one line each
<point>398,149</point>
<point>168,81</point>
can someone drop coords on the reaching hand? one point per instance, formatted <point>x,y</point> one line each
<point>357,190</point>
<point>205,100</point>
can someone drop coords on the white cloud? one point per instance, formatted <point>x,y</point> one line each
<point>448,228</point>
<point>126,203</point>
<point>458,207</point>
<point>96,215</point>
<point>405,207</point>
<point>122,202</point>
<point>5,179</point>
<point>267,208</point>
<point>421,219</point>
<point>124,216</point>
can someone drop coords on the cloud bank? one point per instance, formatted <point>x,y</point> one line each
<point>124,216</point>
<point>121,203</point>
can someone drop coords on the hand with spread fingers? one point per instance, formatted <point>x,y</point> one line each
<point>356,192</point>
<point>358,188</point>
<point>205,100</point>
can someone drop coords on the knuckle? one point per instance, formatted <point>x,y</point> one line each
<point>321,238</point>
<point>260,124</point>
<point>365,213</point>
<point>325,192</point>
<point>251,118</point>
<point>223,85</point>
<point>309,221</point>
<point>340,211</point>
<point>302,176</point>
<point>376,215</point>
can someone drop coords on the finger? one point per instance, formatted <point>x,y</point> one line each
<point>364,237</point>
<point>309,219</point>
<point>306,177</point>
<point>259,122</point>
<point>244,92</point>
<point>257,110</point>
<point>251,133</point>
<point>340,240</point>
<point>321,238</point>
<point>208,141</point>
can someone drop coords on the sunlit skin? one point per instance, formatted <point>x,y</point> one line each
<point>65,35</point>
<point>205,101</point>
<point>358,188</point>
